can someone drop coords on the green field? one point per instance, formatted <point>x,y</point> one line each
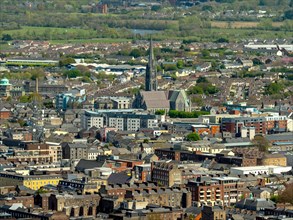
<point>94,40</point>
<point>79,35</point>
<point>48,32</point>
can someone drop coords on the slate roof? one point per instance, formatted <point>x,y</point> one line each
<point>155,99</point>
<point>120,178</point>
<point>255,204</point>
<point>88,164</point>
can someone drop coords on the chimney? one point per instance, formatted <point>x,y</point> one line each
<point>37,85</point>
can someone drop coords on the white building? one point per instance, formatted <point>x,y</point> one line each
<point>121,119</point>
<point>259,170</point>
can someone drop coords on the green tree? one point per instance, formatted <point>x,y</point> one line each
<point>261,143</point>
<point>64,61</point>
<point>24,99</point>
<point>137,53</point>
<point>37,73</point>
<point>48,103</point>
<point>222,40</point>
<point>274,88</point>
<point>6,37</point>
<point>21,122</point>
<point>205,53</point>
<point>72,73</point>
<point>180,64</point>
<point>202,79</point>
<point>196,90</point>
<point>192,137</point>
<point>160,112</point>
<point>289,13</point>
<point>275,198</point>
<point>146,141</point>
<point>207,8</point>
<point>170,67</point>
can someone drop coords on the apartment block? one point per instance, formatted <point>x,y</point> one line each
<point>34,182</point>
<point>166,173</point>
<point>216,191</point>
<point>124,119</point>
<point>233,125</point>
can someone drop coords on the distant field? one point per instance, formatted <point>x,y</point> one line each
<point>60,35</point>
<point>94,40</point>
<point>240,24</point>
<point>48,31</point>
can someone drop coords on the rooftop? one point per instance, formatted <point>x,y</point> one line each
<point>256,167</point>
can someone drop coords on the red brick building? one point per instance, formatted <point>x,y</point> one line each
<point>5,113</point>
<point>233,125</point>
<point>216,191</point>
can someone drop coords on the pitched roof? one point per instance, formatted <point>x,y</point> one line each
<point>155,99</point>
<point>88,164</point>
<point>121,178</point>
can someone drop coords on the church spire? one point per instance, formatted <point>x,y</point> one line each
<point>151,71</point>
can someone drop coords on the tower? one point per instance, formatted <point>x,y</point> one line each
<point>151,82</point>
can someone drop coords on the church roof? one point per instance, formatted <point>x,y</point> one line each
<point>173,95</point>
<point>155,99</point>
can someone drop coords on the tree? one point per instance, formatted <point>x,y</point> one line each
<point>275,198</point>
<point>287,195</point>
<point>64,61</point>
<point>22,123</point>
<point>222,40</point>
<point>205,53</point>
<point>169,67</point>
<point>274,88</point>
<point>6,37</point>
<point>48,103</point>
<point>180,64</point>
<point>288,14</point>
<point>72,73</point>
<point>37,73</point>
<point>156,8</point>
<point>146,141</point>
<point>24,99</point>
<point>137,53</point>
<point>261,143</point>
<point>207,8</point>
<point>192,137</point>
<point>202,79</point>
<point>160,112</point>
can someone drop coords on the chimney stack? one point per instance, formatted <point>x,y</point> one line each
<point>37,85</point>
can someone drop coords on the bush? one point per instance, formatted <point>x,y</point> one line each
<point>192,137</point>
<point>183,114</point>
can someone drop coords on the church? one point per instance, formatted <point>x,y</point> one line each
<point>152,99</point>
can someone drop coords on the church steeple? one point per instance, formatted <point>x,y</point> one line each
<point>151,71</point>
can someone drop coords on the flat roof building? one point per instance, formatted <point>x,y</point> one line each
<point>259,170</point>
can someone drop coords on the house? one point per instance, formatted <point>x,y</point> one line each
<point>205,67</point>
<point>262,193</point>
<point>5,113</point>
<point>255,204</point>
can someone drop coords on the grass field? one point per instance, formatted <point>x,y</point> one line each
<point>47,31</point>
<point>60,35</point>
<point>240,24</point>
<point>94,40</point>
<point>235,32</point>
